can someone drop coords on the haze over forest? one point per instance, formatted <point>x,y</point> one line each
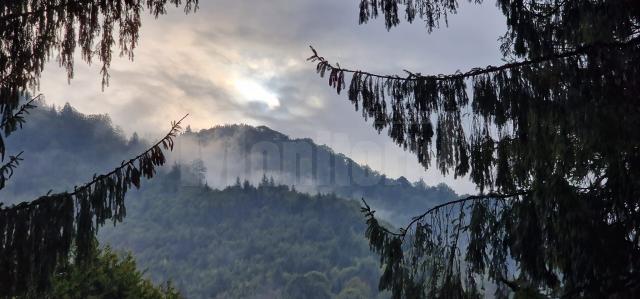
<point>242,183</point>
<point>332,149</point>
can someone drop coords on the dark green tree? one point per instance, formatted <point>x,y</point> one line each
<point>105,274</point>
<point>554,150</point>
<point>37,236</point>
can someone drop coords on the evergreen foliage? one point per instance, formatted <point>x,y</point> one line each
<point>315,168</point>
<point>33,31</point>
<point>248,241</point>
<point>83,144</point>
<point>174,209</point>
<point>553,149</point>
<point>105,274</point>
<point>36,236</point>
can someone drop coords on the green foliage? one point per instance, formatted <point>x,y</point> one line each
<point>317,169</point>
<point>7,170</point>
<point>106,275</point>
<point>33,31</point>
<point>48,226</point>
<point>83,144</point>
<point>246,241</point>
<point>552,147</point>
<point>92,143</point>
<point>36,236</point>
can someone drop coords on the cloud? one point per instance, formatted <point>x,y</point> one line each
<point>195,64</point>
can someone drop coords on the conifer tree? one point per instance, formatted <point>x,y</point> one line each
<point>37,236</point>
<point>554,150</point>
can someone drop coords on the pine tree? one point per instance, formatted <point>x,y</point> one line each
<point>36,237</point>
<point>554,150</point>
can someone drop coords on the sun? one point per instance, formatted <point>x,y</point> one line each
<point>252,91</point>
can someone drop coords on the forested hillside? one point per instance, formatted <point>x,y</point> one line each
<point>245,241</point>
<point>241,241</point>
<point>232,151</point>
<point>86,144</point>
<point>69,144</point>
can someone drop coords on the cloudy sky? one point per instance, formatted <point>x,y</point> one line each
<point>244,62</point>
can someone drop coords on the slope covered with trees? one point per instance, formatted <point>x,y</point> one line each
<point>242,241</point>
<point>232,151</point>
<point>81,146</point>
<point>246,241</point>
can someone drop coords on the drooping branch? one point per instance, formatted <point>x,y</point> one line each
<point>13,16</point>
<point>143,169</point>
<point>6,170</point>
<point>323,65</point>
<point>14,120</point>
<point>167,144</point>
<point>154,6</point>
<point>11,123</point>
<point>438,239</point>
<point>59,28</point>
<point>557,122</point>
<point>369,213</point>
<point>36,236</point>
<point>462,200</point>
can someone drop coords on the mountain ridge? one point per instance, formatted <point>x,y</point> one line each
<point>242,151</point>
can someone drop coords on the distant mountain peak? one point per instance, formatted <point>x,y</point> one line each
<point>249,152</point>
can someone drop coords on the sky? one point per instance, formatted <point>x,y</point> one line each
<point>245,62</point>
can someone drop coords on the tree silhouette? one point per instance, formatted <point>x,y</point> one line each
<point>553,150</point>
<point>37,236</point>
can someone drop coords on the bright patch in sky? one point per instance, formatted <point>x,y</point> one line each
<point>252,91</point>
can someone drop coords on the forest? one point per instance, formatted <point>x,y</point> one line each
<point>250,239</point>
<point>479,151</point>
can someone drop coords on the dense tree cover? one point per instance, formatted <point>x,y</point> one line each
<point>353,275</point>
<point>105,274</point>
<point>248,242</point>
<point>249,152</point>
<point>83,144</point>
<point>553,147</point>
<point>36,236</point>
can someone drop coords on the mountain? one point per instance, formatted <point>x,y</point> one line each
<point>248,242</point>
<point>64,142</point>
<point>274,240</point>
<point>84,145</point>
<point>241,151</point>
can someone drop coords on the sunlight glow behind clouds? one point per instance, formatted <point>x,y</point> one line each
<point>252,91</point>
<point>244,62</point>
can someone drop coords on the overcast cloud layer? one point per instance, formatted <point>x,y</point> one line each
<point>244,62</point>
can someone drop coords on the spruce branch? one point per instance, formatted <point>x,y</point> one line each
<point>166,142</point>
<point>54,223</point>
<point>6,170</point>
<point>13,16</point>
<point>369,213</point>
<point>324,65</point>
<point>11,123</point>
<point>129,166</point>
<point>65,5</point>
